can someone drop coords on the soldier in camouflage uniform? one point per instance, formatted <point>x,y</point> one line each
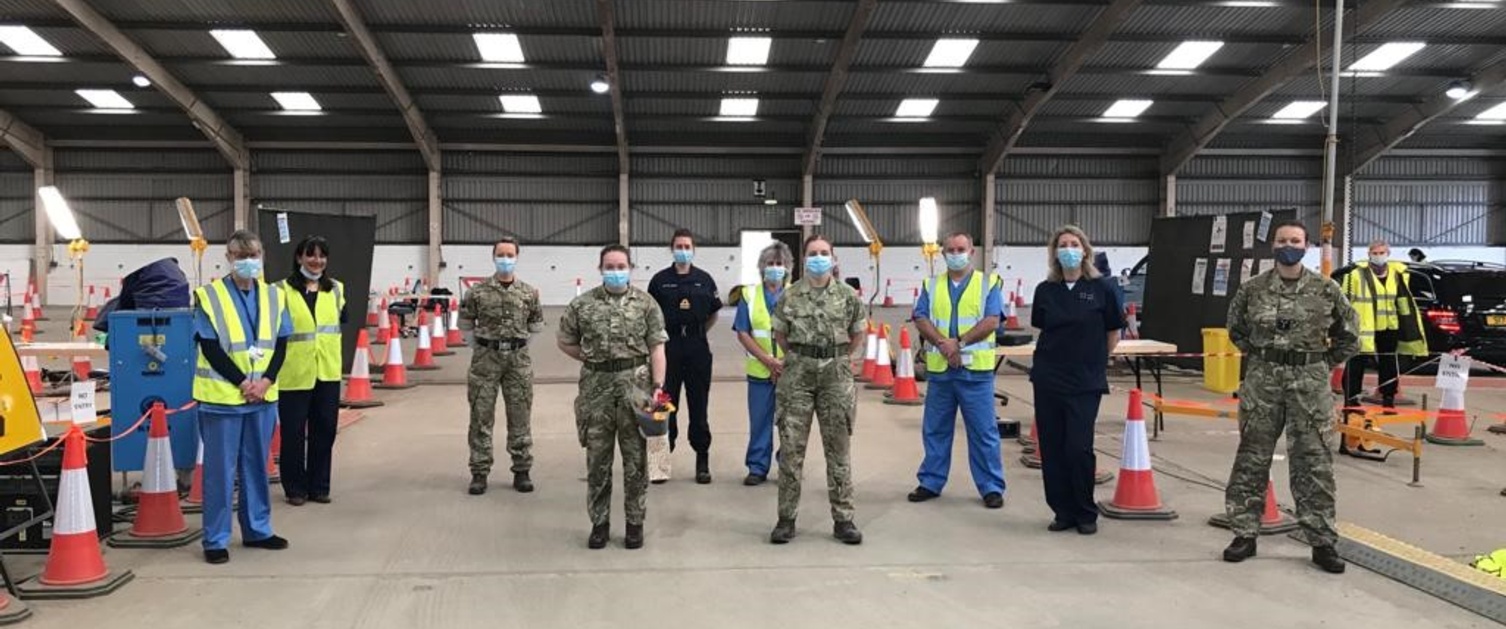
<point>501,312</point>
<point>617,331</point>
<point>1293,326</point>
<point>818,323</point>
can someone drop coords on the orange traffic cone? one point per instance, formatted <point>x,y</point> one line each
<point>1011,315</point>
<point>33,374</point>
<point>274,454</point>
<point>577,287</point>
<point>1028,442</point>
<point>454,338</point>
<point>75,566</point>
<point>883,369</point>
<point>384,329</point>
<point>437,344</point>
<point>373,315</point>
<point>1272,519</point>
<point>28,324</point>
<point>1031,456</point>
<point>1132,322</point>
<point>1019,293</point>
<point>36,305</point>
<point>12,610</point>
<point>1135,497</point>
<point>159,517</point>
<point>905,392</point>
<point>91,308</point>
<point>423,359</point>
<point>888,299</point>
<point>1451,427</point>
<point>870,355</point>
<point>358,386</point>
<point>1336,380</point>
<point>82,367</point>
<point>394,374</point>
<point>195,501</point>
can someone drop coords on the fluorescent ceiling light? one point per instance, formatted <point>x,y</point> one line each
<point>141,81</point>
<point>1126,109</point>
<point>58,213</point>
<point>297,101</point>
<point>1388,55</point>
<point>930,220</point>
<point>26,42</point>
<point>105,99</point>
<point>748,51</point>
<point>521,104</point>
<point>1494,114</point>
<point>859,219</point>
<point>1299,109</point>
<point>739,107</point>
<point>916,108</point>
<point>499,47</point>
<point>1261,4</point>
<point>950,53</point>
<point>1189,55</point>
<point>243,44</point>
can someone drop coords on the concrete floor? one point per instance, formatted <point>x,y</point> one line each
<point>404,546</point>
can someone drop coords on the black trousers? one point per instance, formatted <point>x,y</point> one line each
<point>309,419</point>
<point>689,365</point>
<point>1386,365</point>
<point>1068,463</point>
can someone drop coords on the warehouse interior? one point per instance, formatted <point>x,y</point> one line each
<point>572,124</point>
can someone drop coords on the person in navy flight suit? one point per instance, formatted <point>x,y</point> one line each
<point>958,314</point>
<point>689,299</point>
<point>1079,316</point>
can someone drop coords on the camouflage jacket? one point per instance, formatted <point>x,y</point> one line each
<point>497,312</point>
<point>823,317</point>
<point>608,326</point>
<point>1309,315</point>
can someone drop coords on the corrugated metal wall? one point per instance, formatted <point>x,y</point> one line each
<point>1112,198</point>
<point>16,223</point>
<point>392,186</point>
<point>121,196</point>
<point>553,198</point>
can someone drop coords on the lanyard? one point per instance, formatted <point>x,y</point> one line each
<point>253,315</point>
<point>955,293</point>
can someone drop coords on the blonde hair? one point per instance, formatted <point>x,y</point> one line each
<point>1054,274</point>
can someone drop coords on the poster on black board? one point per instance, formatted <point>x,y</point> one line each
<point>352,241</point>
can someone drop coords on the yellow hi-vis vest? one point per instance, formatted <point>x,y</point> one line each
<point>761,328</point>
<point>1386,305</point>
<point>217,302</point>
<point>314,348</point>
<point>978,356</point>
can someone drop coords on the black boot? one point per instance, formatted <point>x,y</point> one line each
<point>703,468</point>
<point>1240,549</point>
<point>478,484</point>
<point>634,537</point>
<point>784,531</point>
<point>599,535</point>
<point>521,482</point>
<point>847,533</point>
<point>1328,559</point>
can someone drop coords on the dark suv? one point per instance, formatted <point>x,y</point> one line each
<point>1463,305</point>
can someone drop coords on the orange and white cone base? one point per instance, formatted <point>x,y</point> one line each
<point>384,330</point>
<point>1273,520</point>
<point>454,337</point>
<point>75,563</point>
<point>13,610</point>
<point>438,343</point>
<point>1135,497</point>
<point>870,356</point>
<point>1451,424</point>
<point>159,519</point>
<point>1031,457</point>
<point>423,359</point>
<point>883,370</point>
<point>905,392</point>
<point>394,374</point>
<point>194,503</point>
<point>358,386</point>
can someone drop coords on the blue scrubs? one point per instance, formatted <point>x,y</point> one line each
<point>968,390</point>
<point>760,397</point>
<point>1069,377</point>
<point>237,442</point>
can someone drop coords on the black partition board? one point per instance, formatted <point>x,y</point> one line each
<point>352,242</point>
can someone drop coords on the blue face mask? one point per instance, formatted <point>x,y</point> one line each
<point>506,265</point>
<point>818,265</point>
<point>957,261</point>
<point>684,256</point>
<point>616,280</point>
<point>1069,258</point>
<point>774,274</point>
<point>1289,256</point>
<point>248,269</point>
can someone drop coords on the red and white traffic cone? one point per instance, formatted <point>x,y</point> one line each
<point>1011,315</point>
<point>75,564</point>
<point>12,610</point>
<point>870,354</point>
<point>394,374</point>
<point>1028,441</point>
<point>91,306</point>
<point>888,298</point>
<point>577,287</point>
<point>385,326</point>
<point>1272,519</point>
<point>905,392</point>
<point>82,367</point>
<point>159,517</point>
<point>1031,456</point>
<point>33,372</point>
<point>1019,293</point>
<point>1135,497</point>
<point>274,454</point>
<point>453,336</point>
<point>1132,322</point>
<point>358,386</point>
<point>194,503</point>
<point>883,370</point>
<point>28,323</point>
<point>437,341</point>
<point>36,305</point>
<point>423,359</point>
<point>373,315</point>
<point>1451,426</point>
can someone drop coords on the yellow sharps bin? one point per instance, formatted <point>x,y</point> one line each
<point>1220,364</point>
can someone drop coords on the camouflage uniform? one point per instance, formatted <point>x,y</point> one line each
<point>509,314</point>
<point>1292,334</point>
<point>816,319</point>
<point>620,329</point>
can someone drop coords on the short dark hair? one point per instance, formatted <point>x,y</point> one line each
<point>681,233</point>
<point>507,240</point>
<point>600,259</point>
<point>1298,224</point>
<point>952,235</point>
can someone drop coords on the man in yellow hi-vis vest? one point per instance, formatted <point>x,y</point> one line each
<point>1390,324</point>
<point>754,325</point>
<point>241,325</point>
<point>958,315</point>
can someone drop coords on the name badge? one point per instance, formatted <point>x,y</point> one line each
<point>684,304</point>
<point>255,353</point>
<point>967,359</point>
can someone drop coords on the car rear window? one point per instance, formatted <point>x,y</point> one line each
<point>1483,287</point>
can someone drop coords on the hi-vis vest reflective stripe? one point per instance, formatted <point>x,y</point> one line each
<point>978,356</point>
<point>1389,308</point>
<point>216,302</point>
<point>762,329</point>
<point>314,348</point>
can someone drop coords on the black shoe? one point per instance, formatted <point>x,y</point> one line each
<point>1240,549</point>
<point>216,555</point>
<point>320,498</point>
<point>1057,526</point>
<point>784,531</point>
<point>269,543</point>
<point>659,481</point>
<point>521,482</point>
<point>634,537</point>
<point>847,533</point>
<point>1087,528</point>
<point>1327,558</point>
<point>702,468</point>
<point>993,500</point>
<point>599,536</point>
<point>753,480</point>
<point>921,494</point>
<point>296,501</point>
<point>478,484</point>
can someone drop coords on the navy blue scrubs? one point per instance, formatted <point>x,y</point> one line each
<point>1068,374</point>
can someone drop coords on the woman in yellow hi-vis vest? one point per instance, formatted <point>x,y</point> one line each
<point>241,325</point>
<point>1390,323</point>
<point>309,403</point>
<point>754,326</point>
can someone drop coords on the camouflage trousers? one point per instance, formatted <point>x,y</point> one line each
<point>605,421</point>
<point>1274,398</point>
<point>511,371</point>
<point>815,390</point>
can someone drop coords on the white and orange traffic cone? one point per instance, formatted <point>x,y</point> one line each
<point>373,313</point>
<point>91,306</point>
<point>274,454</point>
<point>82,367</point>
<point>394,374</point>
<point>75,564</point>
<point>28,323</point>
<point>1272,519</point>
<point>905,392</point>
<point>159,516</point>
<point>1031,456</point>
<point>1450,425</point>
<point>1132,322</point>
<point>1028,441</point>
<point>1135,497</point>
<point>33,372</point>
<point>36,305</point>
<point>12,610</point>
<point>385,326</point>
<point>194,503</point>
<point>423,359</point>
<point>883,369</point>
<point>577,287</point>
<point>1019,293</point>
<point>358,386</point>
<point>870,354</point>
<point>453,336</point>
<point>1011,315</point>
<point>437,341</point>
<point>888,298</point>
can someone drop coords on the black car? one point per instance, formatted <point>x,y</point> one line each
<point>1463,305</point>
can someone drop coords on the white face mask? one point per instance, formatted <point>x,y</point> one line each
<point>1379,260</point>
